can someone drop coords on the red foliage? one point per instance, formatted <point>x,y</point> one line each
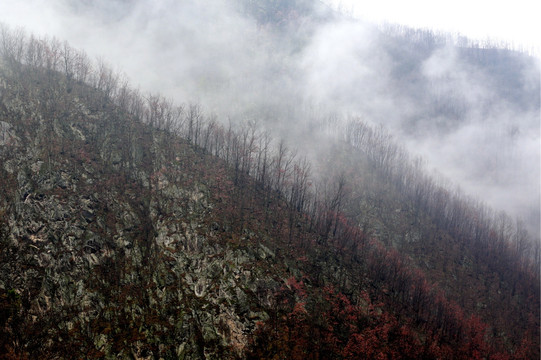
<point>333,327</point>
<point>475,346</point>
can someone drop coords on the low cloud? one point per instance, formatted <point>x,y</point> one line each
<point>440,103</point>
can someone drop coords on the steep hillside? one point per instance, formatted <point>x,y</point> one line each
<point>131,227</point>
<point>110,243</point>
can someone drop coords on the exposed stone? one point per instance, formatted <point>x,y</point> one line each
<point>7,135</point>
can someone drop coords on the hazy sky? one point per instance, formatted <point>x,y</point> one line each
<point>210,53</point>
<point>515,21</point>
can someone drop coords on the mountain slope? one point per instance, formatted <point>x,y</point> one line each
<point>111,240</point>
<point>121,238</point>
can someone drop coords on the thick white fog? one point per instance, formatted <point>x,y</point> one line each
<point>238,66</point>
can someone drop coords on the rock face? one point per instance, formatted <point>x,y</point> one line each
<point>7,137</point>
<point>111,246</point>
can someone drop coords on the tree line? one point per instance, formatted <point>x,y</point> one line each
<point>494,236</point>
<point>261,164</point>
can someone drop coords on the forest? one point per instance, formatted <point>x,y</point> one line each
<point>137,227</point>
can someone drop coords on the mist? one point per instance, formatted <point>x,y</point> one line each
<point>470,123</point>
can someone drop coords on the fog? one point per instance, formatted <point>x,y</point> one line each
<point>469,124</point>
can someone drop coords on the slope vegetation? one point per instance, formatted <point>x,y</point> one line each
<point>131,227</point>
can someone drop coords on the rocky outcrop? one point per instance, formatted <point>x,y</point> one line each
<point>7,137</point>
<point>108,259</point>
